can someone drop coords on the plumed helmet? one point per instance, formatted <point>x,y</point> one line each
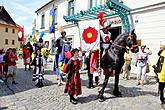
<point>106,23</point>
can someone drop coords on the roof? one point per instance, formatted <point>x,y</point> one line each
<point>110,8</point>
<point>5,17</point>
<point>44,6</point>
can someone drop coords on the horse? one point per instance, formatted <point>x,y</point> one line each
<point>113,59</point>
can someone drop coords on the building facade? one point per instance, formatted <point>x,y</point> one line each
<point>147,17</point>
<point>8,30</point>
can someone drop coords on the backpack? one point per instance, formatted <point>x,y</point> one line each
<point>158,66</point>
<point>66,68</point>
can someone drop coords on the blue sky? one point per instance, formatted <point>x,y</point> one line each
<point>23,11</point>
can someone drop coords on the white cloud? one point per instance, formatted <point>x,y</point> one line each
<point>20,19</point>
<point>28,29</point>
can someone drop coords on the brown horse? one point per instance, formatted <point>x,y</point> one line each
<point>114,59</point>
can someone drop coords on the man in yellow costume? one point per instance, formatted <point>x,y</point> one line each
<point>159,68</point>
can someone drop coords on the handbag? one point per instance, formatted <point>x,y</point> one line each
<point>142,63</point>
<point>147,68</point>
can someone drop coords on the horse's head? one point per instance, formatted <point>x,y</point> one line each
<point>131,42</point>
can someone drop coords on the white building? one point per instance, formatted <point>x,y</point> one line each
<point>147,17</point>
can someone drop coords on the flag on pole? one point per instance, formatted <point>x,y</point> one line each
<point>51,20</point>
<point>90,37</point>
<point>20,34</point>
<point>34,30</point>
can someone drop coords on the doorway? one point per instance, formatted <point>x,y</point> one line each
<point>115,31</point>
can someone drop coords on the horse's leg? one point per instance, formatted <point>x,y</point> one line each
<point>116,91</point>
<point>101,97</point>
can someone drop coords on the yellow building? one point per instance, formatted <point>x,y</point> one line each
<point>8,30</point>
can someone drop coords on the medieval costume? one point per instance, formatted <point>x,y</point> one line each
<point>38,74</point>
<point>105,40</point>
<point>93,68</point>
<point>159,69</point>
<point>73,82</point>
<point>26,57</point>
<point>59,56</point>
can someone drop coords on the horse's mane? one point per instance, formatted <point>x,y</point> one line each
<point>120,38</point>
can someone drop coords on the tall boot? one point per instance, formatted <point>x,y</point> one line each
<point>96,80</point>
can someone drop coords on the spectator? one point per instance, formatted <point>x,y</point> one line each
<point>1,63</point>
<point>127,65</point>
<point>12,64</point>
<point>142,64</point>
<point>6,62</point>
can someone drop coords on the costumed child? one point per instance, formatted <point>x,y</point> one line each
<point>73,82</point>
<point>38,63</point>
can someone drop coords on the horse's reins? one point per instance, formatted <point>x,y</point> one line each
<point>120,46</point>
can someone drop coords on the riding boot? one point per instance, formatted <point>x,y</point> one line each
<point>25,67</point>
<point>96,80</point>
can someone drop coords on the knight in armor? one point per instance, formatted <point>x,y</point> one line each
<point>105,35</point>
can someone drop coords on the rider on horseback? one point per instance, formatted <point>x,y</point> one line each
<point>105,37</point>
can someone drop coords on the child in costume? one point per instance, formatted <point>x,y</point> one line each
<point>73,83</point>
<point>38,63</point>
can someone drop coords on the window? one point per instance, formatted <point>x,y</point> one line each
<point>93,3</point>
<point>71,7</point>
<point>55,14</point>
<point>13,42</point>
<point>6,29</point>
<point>6,41</point>
<point>42,21</point>
<point>13,30</point>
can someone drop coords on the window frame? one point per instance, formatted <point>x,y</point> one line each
<point>6,41</point>
<point>13,42</point>
<point>43,21</point>
<point>6,30</point>
<point>71,7</point>
<point>55,15</point>
<point>13,31</point>
<point>91,3</point>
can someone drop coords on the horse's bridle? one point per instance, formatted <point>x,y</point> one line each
<point>120,46</point>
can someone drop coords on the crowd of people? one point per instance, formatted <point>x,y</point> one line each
<point>68,61</point>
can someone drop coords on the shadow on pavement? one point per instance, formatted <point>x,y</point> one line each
<point>130,91</point>
<point>24,83</point>
<point>3,108</point>
<point>88,98</point>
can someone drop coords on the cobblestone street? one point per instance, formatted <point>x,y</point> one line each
<point>25,96</point>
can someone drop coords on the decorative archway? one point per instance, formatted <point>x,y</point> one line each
<point>111,7</point>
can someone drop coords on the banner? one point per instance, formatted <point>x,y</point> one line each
<point>90,36</point>
<point>51,20</point>
<point>20,34</point>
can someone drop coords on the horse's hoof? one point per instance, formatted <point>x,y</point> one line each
<point>117,94</point>
<point>101,99</point>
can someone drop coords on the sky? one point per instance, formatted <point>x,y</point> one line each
<point>23,11</point>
